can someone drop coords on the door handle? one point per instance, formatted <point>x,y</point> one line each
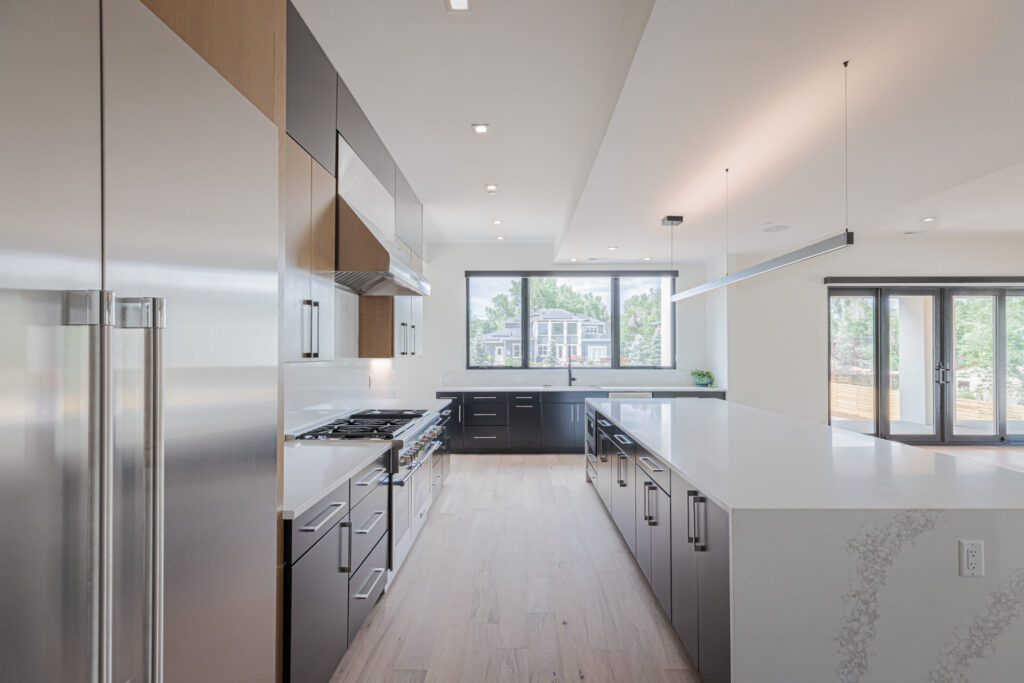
<point>700,541</point>
<point>690,513</point>
<point>413,352</point>
<point>622,479</point>
<point>405,339</point>
<point>307,327</point>
<point>376,517</point>
<point>334,509</point>
<point>375,575</point>
<point>316,354</point>
<point>345,561</point>
<point>371,476</point>
<point>647,501</point>
<point>650,462</point>
<point>651,519</point>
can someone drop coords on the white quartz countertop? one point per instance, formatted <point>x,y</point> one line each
<point>742,457</point>
<point>581,387</point>
<point>312,469</point>
<point>300,421</point>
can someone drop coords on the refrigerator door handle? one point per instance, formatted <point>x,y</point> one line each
<point>150,314</point>
<point>96,309</point>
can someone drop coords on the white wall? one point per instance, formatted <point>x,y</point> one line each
<point>444,315</point>
<point>778,322</point>
<point>308,386</point>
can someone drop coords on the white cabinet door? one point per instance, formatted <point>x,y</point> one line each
<point>403,337</point>
<point>415,325</point>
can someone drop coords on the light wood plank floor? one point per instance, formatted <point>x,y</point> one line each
<point>518,575</point>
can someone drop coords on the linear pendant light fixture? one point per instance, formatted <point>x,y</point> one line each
<point>825,246</point>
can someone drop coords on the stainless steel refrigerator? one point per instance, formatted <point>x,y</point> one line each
<point>138,354</point>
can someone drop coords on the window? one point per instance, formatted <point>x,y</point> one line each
<point>593,319</point>
<point>645,340</point>
<point>492,303</point>
<point>928,365</point>
<point>567,303</point>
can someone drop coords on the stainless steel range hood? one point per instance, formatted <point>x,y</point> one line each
<point>367,266</point>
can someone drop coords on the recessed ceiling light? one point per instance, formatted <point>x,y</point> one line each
<point>929,219</point>
<point>457,5</point>
<point>496,221</point>
<point>612,248</point>
<point>481,127</point>
<point>500,238</point>
<point>672,221</point>
<point>647,258</point>
<point>774,227</point>
<point>911,232</point>
<point>574,259</point>
<point>491,188</point>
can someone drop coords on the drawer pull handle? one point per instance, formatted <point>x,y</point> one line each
<point>523,406</point>
<point>623,439</point>
<point>528,398</point>
<point>375,575</point>
<point>485,397</point>
<point>651,464</point>
<point>376,517</point>
<point>485,415</point>
<point>333,508</point>
<point>485,437</point>
<point>371,476</point>
<point>604,423</point>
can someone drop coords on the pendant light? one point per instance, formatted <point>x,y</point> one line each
<point>825,246</point>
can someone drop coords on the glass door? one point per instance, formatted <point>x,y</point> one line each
<point>853,341</point>
<point>1014,344</point>
<point>911,397</point>
<point>970,372</point>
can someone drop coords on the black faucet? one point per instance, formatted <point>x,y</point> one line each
<point>569,368</point>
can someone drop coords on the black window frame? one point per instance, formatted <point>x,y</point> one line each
<point>614,277</point>
<point>944,289</point>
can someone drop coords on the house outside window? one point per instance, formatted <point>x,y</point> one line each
<point>593,319</point>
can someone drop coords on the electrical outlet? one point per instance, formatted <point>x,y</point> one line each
<point>972,558</point>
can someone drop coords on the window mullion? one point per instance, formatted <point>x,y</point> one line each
<point>614,324</point>
<point>524,322</point>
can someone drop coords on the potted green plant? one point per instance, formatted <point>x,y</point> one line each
<point>702,378</point>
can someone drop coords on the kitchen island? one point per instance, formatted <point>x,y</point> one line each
<point>798,552</point>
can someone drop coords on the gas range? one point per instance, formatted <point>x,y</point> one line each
<point>407,430</point>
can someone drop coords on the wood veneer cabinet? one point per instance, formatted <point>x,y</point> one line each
<point>390,326</point>
<point>308,303</point>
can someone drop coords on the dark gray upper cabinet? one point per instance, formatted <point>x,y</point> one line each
<point>311,106</point>
<point>353,125</point>
<point>408,214</point>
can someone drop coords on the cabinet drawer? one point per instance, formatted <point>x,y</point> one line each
<point>524,397</point>
<point>369,522</point>
<point>366,586</point>
<point>305,530</point>
<point>470,399</point>
<point>479,414</point>
<point>369,478</point>
<point>654,468</point>
<point>486,438</point>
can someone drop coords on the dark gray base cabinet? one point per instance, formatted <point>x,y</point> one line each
<point>700,580</point>
<point>654,538</point>
<point>316,632</point>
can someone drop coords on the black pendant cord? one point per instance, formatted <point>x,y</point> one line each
<point>846,145</point>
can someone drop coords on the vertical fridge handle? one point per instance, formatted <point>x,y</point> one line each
<point>156,357</point>
<point>104,490</point>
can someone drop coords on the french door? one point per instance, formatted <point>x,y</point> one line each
<point>928,365</point>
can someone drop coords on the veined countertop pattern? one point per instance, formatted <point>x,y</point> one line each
<point>742,457</point>
<point>599,388</point>
<point>312,469</point>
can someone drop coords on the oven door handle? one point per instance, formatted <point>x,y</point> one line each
<point>405,475</point>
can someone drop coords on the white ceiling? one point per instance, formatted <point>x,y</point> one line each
<point>935,117</point>
<point>544,73</point>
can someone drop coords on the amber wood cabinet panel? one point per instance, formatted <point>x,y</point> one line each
<point>308,301</point>
<point>390,326</point>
